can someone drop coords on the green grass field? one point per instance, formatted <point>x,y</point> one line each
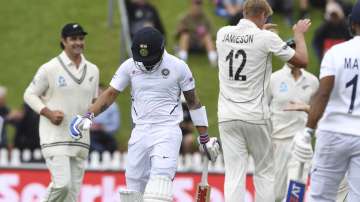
<point>31,32</point>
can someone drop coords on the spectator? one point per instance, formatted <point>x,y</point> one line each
<point>142,14</point>
<point>4,112</point>
<point>194,33</point>
<point>333,30</point>
<point>304,6</point>
<point>285,7</point>
<point>104,127</point>
<point>187,129</point>
<point>234,9</point>
<point>26,124</point>
<point>220,9</point>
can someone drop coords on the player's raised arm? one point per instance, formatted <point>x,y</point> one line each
<point>300,59</point>
<point>198,115</point>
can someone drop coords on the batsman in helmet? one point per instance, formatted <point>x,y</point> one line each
<point>157,80</point>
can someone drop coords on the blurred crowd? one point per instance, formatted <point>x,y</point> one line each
<point>194,35</point>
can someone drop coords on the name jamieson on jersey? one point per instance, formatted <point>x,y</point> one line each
<point>351,63</point>
<point>238,39</point>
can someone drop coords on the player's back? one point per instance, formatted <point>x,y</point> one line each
<point>343,108</point>
<point>244,71</point>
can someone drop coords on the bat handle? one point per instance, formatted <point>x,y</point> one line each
<point>204,174</point>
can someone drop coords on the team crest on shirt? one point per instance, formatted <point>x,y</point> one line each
<point>165,72</point>
<point>283,87</point>
<point>61,81</point>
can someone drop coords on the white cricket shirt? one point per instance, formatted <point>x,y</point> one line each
<point>342,113</point>
<point>244,59</point>
<point>59,85</point>
<point>284,89</point>
<point>155,96</point>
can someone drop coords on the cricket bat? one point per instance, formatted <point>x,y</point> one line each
<point>203,189</point>
<point>296,189</point>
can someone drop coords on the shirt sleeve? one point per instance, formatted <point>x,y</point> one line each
<point>36,88</point>
<point>279,48</point>
<point>327,67</point>
<point>121,79</point>
<point>186,79</point>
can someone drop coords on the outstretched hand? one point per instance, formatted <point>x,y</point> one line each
<point>270,27</point>
<point>297,106</point>
<point>302,26</point>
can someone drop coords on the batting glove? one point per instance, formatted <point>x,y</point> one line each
<point>210,146</point>
<point>302,151</point>
<point>80,124</point>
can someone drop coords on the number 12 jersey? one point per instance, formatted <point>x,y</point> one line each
<point>245,56</point>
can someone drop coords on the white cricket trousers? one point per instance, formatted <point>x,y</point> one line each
<point>241,139</point>
<point>335,155</point>
<point>152,150</point>
<point>286,167</point>
<point>66,178</point>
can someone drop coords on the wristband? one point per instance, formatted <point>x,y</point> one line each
<point>199,117</point>
<point>204,138</point>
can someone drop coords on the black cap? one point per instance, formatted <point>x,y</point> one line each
<point>72,29</point>
<point>148,45</point>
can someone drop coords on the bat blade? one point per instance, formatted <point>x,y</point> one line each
<point>203,193</point>
<point>296,191</point>
<point>203,189</point>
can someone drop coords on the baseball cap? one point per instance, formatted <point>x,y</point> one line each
<point>72,29</point>
<point>148,45</point>
<point>355,13</point>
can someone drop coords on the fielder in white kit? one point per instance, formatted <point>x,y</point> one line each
<point>63,87</point>
<point>337,109</point>
<point>288,85</point>
<point>157,80</point>
<point>245,52</point>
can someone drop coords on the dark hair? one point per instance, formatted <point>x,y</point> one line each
<point>62,45</point>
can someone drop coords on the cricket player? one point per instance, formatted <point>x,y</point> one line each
<point>335,111</point>
<point>288,85</point>
<point>157,79</point>
<point>63,87</point>
<point>245,52</point>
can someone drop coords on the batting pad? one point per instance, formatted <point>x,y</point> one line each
<point>130,196</point>
<point>158,189</point>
